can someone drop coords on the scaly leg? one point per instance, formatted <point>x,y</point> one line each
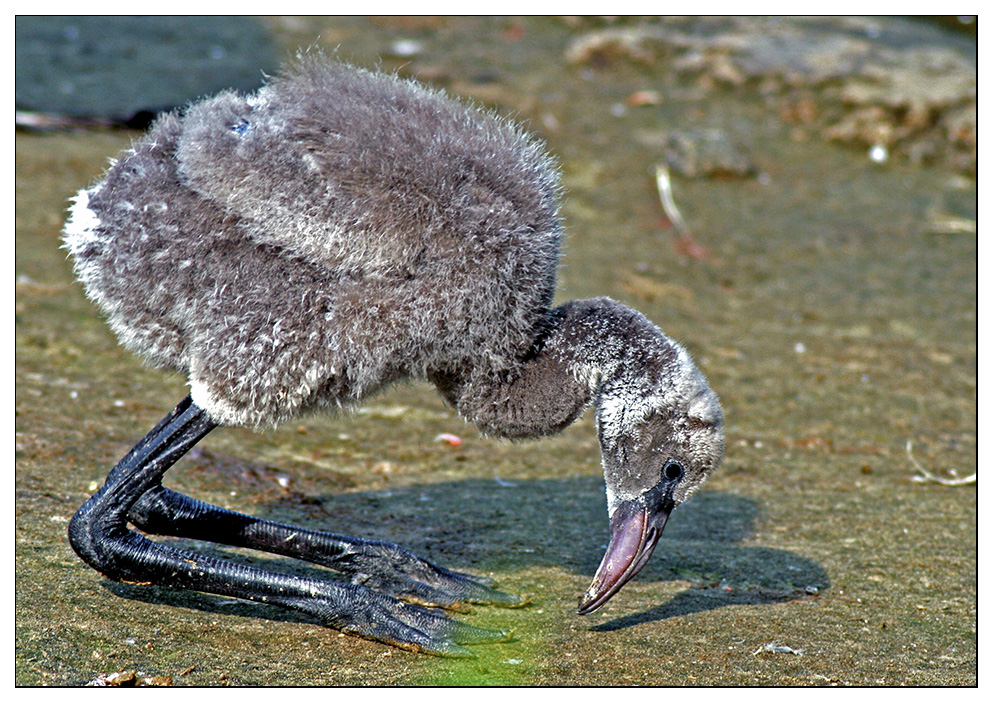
<point>381,566</point>
<point>99,534</point>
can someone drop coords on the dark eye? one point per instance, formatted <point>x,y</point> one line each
<point>673,470</point>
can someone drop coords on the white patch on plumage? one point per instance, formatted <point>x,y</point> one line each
<point>80,232</point>
<point>82,223</point>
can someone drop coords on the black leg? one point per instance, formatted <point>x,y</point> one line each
<point>99,534</point>
<point>98,531</point>
<point>381,566</point>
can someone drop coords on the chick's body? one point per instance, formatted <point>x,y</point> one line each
<point>306,245</point>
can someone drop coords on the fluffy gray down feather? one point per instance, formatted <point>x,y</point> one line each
<point>305,245</point>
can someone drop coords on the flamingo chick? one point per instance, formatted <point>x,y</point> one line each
<point>303,247</point>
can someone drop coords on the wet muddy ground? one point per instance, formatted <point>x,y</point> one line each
<point>826,288</point>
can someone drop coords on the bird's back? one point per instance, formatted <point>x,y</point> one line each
<point>336,231</point>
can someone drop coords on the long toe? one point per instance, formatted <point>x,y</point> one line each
<point>474,589</point>
<point>492,596</point>
<point>464,633</point>
<point>446,637</point>
<point>439,628</point>
<point>388,568</point>
<point>359,611</point>
<point>453,591</point>
<point>428,631</point>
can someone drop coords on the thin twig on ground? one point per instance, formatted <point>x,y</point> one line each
<point>664,185</point>
<point>928,476</point>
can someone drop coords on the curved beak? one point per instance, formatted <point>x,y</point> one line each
<point>635,528</point>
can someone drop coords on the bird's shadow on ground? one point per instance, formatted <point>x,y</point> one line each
<point>478,525</point>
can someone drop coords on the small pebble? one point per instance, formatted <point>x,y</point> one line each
<point>406,47</point>
<point>879,154</point>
